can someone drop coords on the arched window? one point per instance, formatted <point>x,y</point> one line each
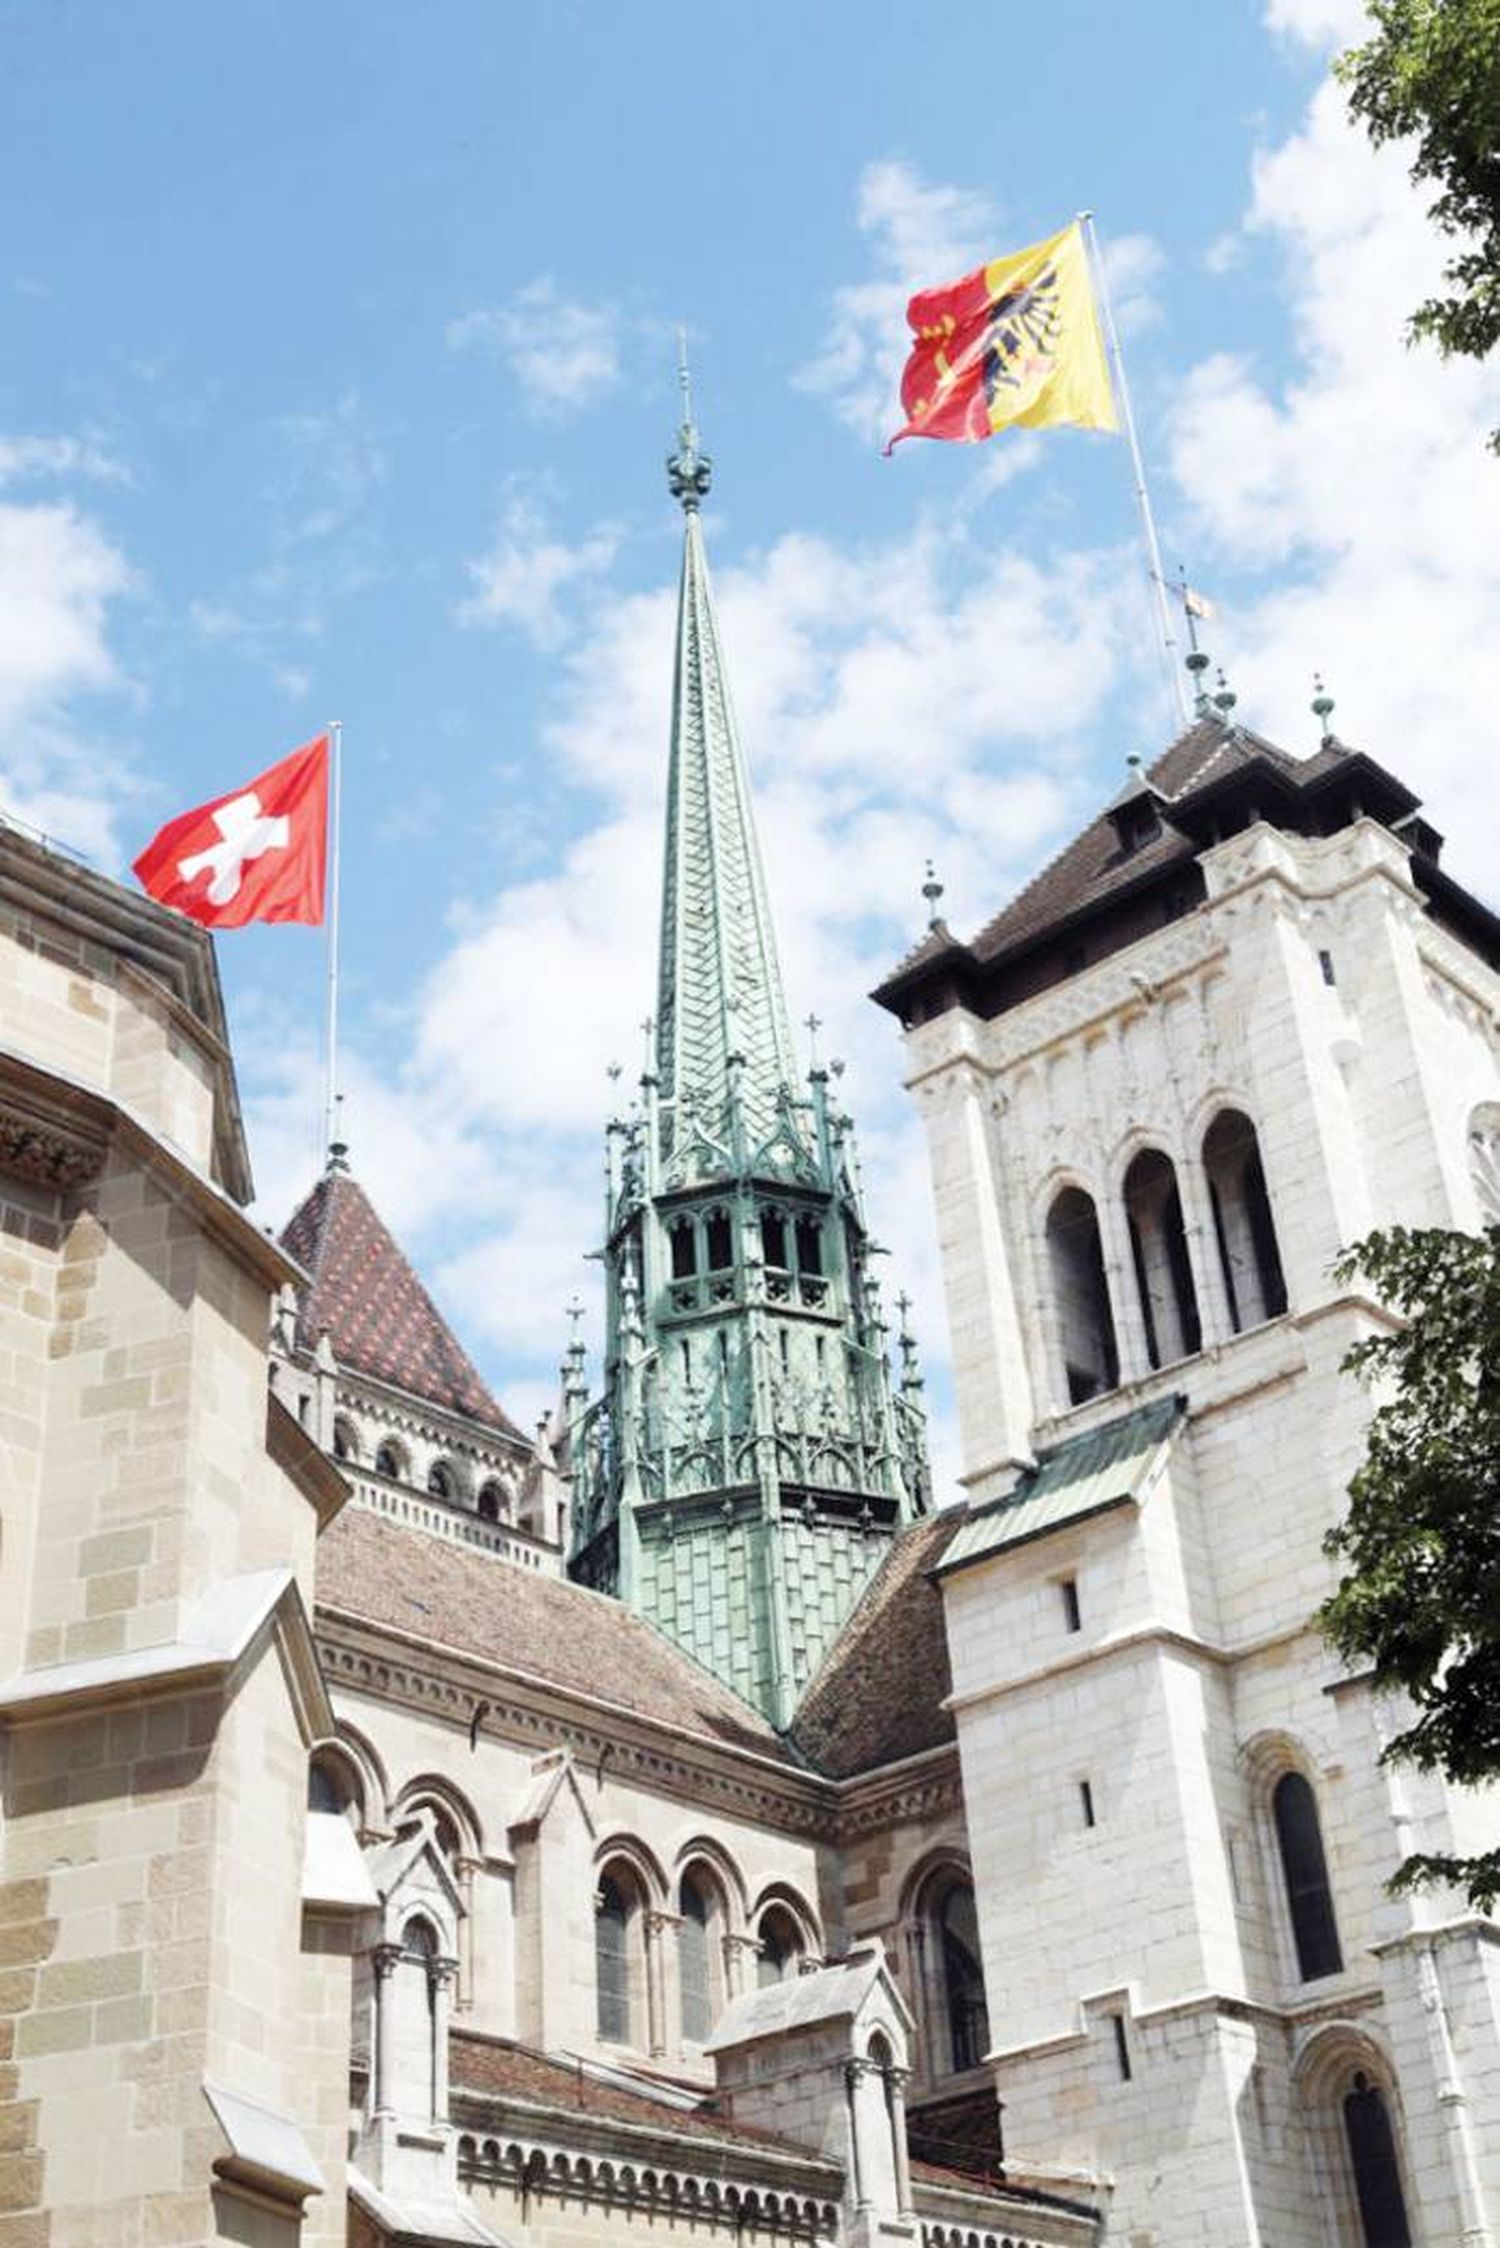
<point>491,1501</point>
<point>683,1236</point>
<point>1158,1244</point>
<point>719,1240</point>
<point>1299,1839</point>
<point>963,1977</point>
<point>1377,2172</point>
<point>619,1957</point>
<point>390,1461</point>
<point>442,1483</point>
<point>1243,1226</point>
<point>1080,1292</point>
<point>698,1931</point>
<point>345,1442</point>
<point>331,1787</point>
<point>773,1239</point>
<point>810,1248</point>
<point>1484,1160</point>
<point>780,1946</point>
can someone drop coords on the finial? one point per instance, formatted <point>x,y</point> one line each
<point>648,1032</point>
<point>689,472</point>
<point>812,1024</point>
<point>1322,707</point>
<point>932,890</point>
<point>338,1146</point>
<point>575,1313</point>
<point>1195,662</point>
<point>1226,698</point>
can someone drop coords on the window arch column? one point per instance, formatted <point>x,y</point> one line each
<point>1200,1234</point>
<point>1119,1273</point>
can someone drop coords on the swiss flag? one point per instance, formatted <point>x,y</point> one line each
<point>258,854</point>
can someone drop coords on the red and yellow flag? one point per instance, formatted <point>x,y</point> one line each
<point>1016,341</point>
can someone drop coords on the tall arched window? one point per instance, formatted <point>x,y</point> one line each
<point>780,1945</point>
<point>390,1460</point>
<point>441,1480</point>
<point>1484,1160</point>
<point>1248,1256</point>
<point>1080,1292</point>
<point>616,1913</point>
<point>1164,1276</point>
<point>491,1501</point>
<point>963,1977</point>
<point>1377,2172</point>
<point>1299,1838</point>
<point>345,1442</point>
<point>700,1953</point>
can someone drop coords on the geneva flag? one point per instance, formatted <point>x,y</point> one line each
<point>1017,341</point>
<point>257,854</point>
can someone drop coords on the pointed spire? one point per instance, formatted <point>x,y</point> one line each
<point>932,891</point>
<point>689,471</point>
<point>719,988</point>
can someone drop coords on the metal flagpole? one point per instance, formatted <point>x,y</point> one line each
<point>331,1091</point>
<point>1177,684</point>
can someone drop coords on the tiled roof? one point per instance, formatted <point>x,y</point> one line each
<point>541,1627</point>
<point>1102,1467</point>
<point>1093,865</point>
<point>378,1316</point>
<point>489,2066</point>
<point>880,1691</point>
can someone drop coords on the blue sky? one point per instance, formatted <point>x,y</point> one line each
<point>337,380</point>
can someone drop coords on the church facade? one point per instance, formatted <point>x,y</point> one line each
<point>669,1821</point>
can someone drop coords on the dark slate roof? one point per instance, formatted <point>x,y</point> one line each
<point>542,1628</point>
<point>489,2066</point>
<point>879,1692</point>
<point>1102,1467</point>
<point>1093,865</point>
<point>378,1316</point>
<point>1210,769</point>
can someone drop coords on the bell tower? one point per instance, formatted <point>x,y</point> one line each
<point>751,1455</point>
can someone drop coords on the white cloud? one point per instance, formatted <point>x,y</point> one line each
<point>1319,23</point>
<point>1133,266</point>
<point>523,578</point>
<point>560,349</point>
<point>1357,479</point>
<point>60,457</point>
<point>920,232</point>
<point>59,576</point>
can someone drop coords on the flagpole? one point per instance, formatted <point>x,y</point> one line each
<point>335,780</point>
<point>1176,684</point>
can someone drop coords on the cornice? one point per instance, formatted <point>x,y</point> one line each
<point>533,1714</point>
<point>580,2155</point>
<point>89,1122</point>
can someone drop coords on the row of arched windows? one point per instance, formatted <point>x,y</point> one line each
<point>1162,1277</point>
<point>779,1934</point>
<point>445,1479</point>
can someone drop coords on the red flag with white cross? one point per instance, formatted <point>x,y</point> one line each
<point>258,854</point>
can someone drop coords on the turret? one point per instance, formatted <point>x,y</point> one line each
<point>749,1459</point>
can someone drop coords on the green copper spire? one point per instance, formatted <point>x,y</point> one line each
<point>751,1455</point>
<point>719,997</point>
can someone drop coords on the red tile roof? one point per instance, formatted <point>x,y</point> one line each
<point>541,1627</point>
<point>377,1315</point>
<point>879,1692</point>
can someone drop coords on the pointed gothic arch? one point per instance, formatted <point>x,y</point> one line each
<point>1244,1228</point>
<point>1080,1295</point>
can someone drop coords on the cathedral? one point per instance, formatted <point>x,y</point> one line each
<point>678,1821</point>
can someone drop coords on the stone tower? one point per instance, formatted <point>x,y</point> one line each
<point>1243,1018</point>
<point>750,1457</point>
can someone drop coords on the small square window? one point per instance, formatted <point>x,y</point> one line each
<point>1072,1614</point>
